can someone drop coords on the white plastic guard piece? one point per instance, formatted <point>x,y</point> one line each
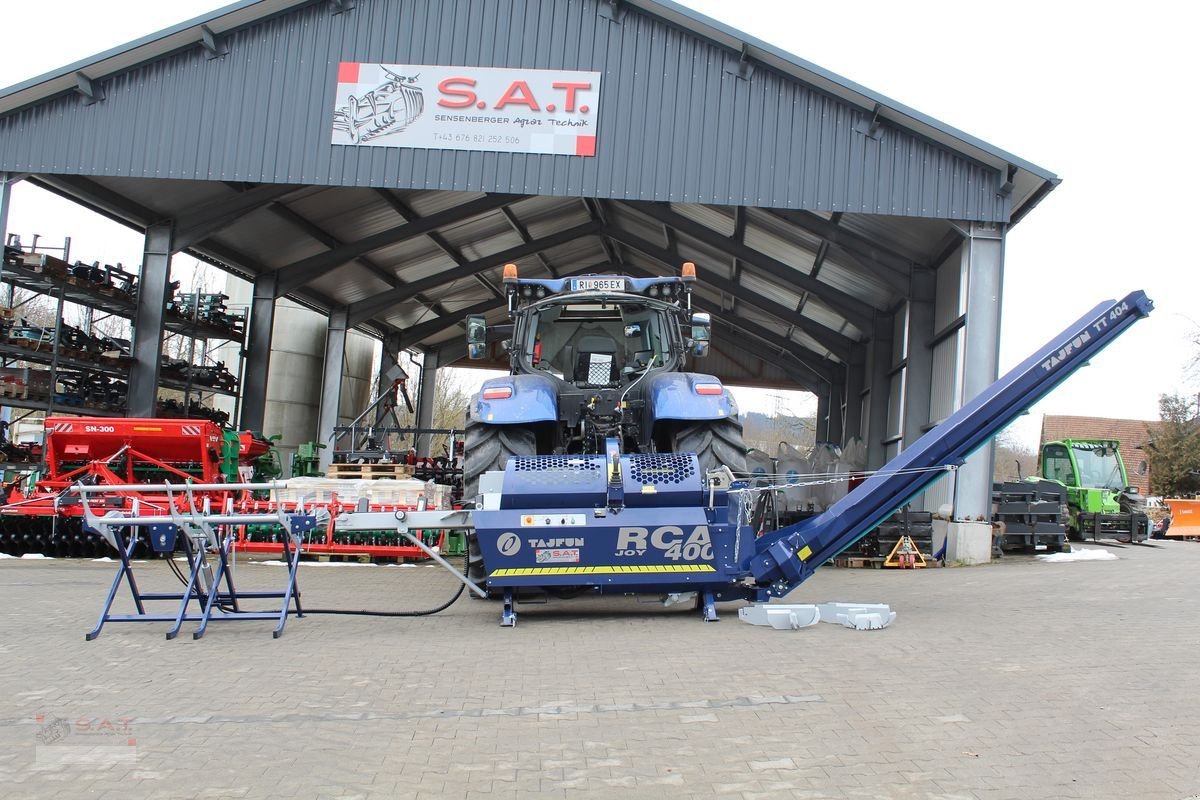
<point>860,616</point>
<point>780,617</point>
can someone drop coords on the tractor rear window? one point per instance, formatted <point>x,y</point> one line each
<point>597,344</point>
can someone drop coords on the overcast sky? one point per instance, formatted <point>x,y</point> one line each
<point>1101,94</point>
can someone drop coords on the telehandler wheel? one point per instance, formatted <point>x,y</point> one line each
<point>488,447</point>
<point>716,442</point>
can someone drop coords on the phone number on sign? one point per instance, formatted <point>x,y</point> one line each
<point>478,138</point>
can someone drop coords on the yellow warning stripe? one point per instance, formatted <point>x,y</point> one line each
<point>518,572</point>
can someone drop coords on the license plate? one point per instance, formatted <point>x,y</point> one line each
<point>597,284</point>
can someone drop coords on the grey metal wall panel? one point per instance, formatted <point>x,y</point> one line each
<point>675,122</point>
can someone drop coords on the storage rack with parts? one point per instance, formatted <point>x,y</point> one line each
<point>95,365</point>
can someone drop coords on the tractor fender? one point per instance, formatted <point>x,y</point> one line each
<point>672,395</point>
<point>533,399</point>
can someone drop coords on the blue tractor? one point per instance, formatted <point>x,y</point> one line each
<point>594,358</point>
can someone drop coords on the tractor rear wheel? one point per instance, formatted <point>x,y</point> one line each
<point>716,443</point>
<point>486,448</point>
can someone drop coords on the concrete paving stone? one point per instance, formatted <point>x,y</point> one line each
<point>603,692</point>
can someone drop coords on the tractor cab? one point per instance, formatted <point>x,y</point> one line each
<point>603,341</point>
<point>598,330</point>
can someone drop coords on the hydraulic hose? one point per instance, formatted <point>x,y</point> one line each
<point>422,613</point>
<point>357,612</point>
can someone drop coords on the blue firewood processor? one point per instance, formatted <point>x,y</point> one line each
<point>571,512</point>
<point>598,465</point>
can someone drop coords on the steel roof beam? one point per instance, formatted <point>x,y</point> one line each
<point>523,232</point>
<point>850,307</point>
<point>414,335</point>
<point>408,215</point>
<point>803,356</point>
<point>248,268</point>
<point>329,240</point>
<point>199,222</point>
<point>838,343</point>
<point>890,266</point>
<point>98,198</point>
<point>364,309</point>
<point>808,384</point>
<point>301,272</point>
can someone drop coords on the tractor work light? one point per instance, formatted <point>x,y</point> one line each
<point>708,388</point>
<point>497,393</point>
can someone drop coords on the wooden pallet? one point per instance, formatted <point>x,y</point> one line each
<point>370,471</point>
<point>858,562</point>
<point>356,558</point>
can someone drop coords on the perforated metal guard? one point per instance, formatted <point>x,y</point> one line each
<point>661,469</point>
<point>566,463</point>
<point>573,470</point>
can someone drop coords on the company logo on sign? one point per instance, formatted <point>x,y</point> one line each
<point>565,555</point>
<point>386,109</point>
<point>551,112</point>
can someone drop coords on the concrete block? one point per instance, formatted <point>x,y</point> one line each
<point>939,533</point>
<point>969,542</point>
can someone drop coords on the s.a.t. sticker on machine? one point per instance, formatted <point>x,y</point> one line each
<point>540,111</point>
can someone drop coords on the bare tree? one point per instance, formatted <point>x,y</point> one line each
<point>1014,460</point>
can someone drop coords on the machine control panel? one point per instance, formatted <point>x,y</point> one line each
<point>550,520</point>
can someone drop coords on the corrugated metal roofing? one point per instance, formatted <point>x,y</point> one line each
<point>676,121</point>
<point>765,177</point>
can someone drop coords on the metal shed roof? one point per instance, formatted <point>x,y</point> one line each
<point>805,199</point>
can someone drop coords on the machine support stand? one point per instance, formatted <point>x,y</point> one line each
<point>126,571</point>
<point>292,555</point>
<point>196,562</point>
<point>209,585</point>
<point>508,617</point>
<point>708,605</point>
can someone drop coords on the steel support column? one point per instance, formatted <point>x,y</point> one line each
<point>331,382</point>
<point>881,391</point>
<point>918,372</point>
<point>153,290</point>
<point>822,432</point>
<point>427,399</point>
<point>6,184</point>
<point>835,427</point>
<point>856,376</point>
<point>981,359</point>
<point>258,353</point>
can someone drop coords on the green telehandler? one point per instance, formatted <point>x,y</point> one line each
<point>1100,501</point>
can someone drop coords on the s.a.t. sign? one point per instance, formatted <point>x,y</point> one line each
<point>544,111</point>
